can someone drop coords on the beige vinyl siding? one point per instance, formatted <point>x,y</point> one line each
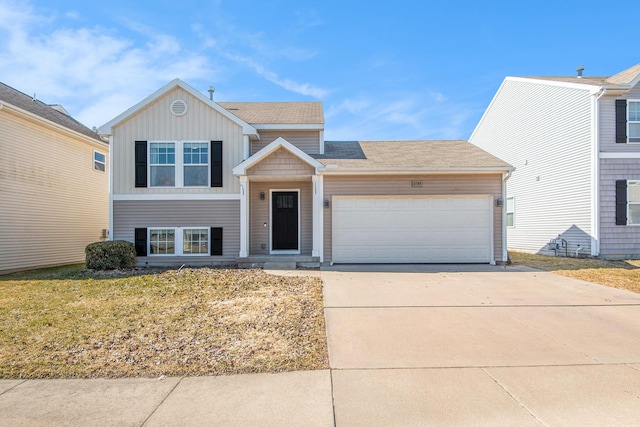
<point>129,215</point>
<point>608,123</point>
<point>401,185</point>
<point>617,241</point>
<point>545,132</point>
<point>281,162</point>
<point>306,140</point>
<point>52,201</point>
<point>155,122</point>
<point>259,215</point>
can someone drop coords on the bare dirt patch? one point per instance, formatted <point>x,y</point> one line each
<point>205,321</point>
<point>617,274</point>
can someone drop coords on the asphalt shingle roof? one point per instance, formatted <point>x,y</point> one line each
<point>276,112</point>
<point>622,78</point>
<point>448,154</point>
<point>25,102</point>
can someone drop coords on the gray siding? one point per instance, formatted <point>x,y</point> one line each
<point>607,123</point>
<point>545,132</point>
<point>306,140</point>
<point>259,215</point>
<point>129,215</point>
<point>281,162</point>
<point>616,241</point>
<point>401,185</point>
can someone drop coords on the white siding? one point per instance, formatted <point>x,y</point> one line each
<point>608,123</point>
<point>306,140</point>
<point>545,132</point>
<point>52,202</point>
<point>156,123</point>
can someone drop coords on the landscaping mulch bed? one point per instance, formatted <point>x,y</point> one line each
<point>72,323</point>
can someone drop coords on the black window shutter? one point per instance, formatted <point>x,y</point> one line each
<point>216,241</point>
<point>141,163</point>
<point>216,163</point>
<point>621,121</point>
<point>621,202</point>
<point>141,241</point>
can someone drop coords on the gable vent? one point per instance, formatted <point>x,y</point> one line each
<point>179,107</point>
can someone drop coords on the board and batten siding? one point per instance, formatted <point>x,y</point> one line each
<point>401,186</point>
<point>52,201</point>
<point>259,215</point>
<point>544,131</point>
<point>155,122</point>
<point>617,241</point>
<point>607,124</point>
<point>306,140</point>
<point>131,214</point>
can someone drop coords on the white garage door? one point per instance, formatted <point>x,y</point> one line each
<point>434,229</point>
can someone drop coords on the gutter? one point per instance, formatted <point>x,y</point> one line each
<point>335,170</point>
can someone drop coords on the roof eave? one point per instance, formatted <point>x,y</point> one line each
<point>336,170</point>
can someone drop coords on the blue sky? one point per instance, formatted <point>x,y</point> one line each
<point>383,70</point>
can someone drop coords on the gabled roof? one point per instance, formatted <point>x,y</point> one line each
<point>624,79</point>
<point>276,112</point>
<point>628,77</point>
<point>241,169</point>
<point>400,156</point>
<point>247,129</point>
<point>11,96</point>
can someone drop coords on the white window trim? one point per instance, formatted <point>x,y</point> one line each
<point>513,212</point>
<point>276,251</point>
<point>179,164</point>
<point>629,122</point>
<point>97,161</point>
<point>629,203</point>
<point>178,244</point>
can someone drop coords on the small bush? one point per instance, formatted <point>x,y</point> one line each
<point>110,255</point>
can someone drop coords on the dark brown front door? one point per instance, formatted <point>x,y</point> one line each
<point>284,221</point>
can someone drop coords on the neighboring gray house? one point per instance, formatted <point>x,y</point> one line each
<point>575,144</point>
<point>200,182</point>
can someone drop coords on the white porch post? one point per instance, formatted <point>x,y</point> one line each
<point>318,195</point>
<point>244,217</point>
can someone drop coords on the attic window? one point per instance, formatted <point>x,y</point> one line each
<point>179,107</point>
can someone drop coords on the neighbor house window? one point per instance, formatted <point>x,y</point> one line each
<point>196,164</point>
<point>510,212</point>
<point>633,109</point>
<point>633,202</point>
<point>195,241</point>
<point>99,161</point>
<point>162,164</point>
<point>162,241</point>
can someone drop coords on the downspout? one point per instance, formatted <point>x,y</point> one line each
<point>595,175</point>
<point>505,254</point>
<point>110,187</point>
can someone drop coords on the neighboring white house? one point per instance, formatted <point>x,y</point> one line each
<point>575,144</point>
<point>54,184</point>
<point>200,182</point>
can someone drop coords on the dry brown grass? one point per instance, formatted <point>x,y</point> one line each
<point>617,274</point>
<point>71,323</point>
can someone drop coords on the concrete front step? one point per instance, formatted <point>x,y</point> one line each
<point>278,262</point>
<point>281,265</point>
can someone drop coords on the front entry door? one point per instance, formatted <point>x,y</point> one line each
<point>284,221</point>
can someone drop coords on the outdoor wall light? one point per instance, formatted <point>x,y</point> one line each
<point>262,195</point>
<point>326,203</point>
<point>499,201</point>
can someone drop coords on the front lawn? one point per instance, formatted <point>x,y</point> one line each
<point>67,323</point>
<point>617,274</point>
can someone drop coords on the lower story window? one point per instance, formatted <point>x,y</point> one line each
<point>162,241</point>
<point>195,241</point>
<point>634,202</point>
<point>179,241</point>
<point>510,212</point>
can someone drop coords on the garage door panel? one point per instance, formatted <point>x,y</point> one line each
<point>427,229</point>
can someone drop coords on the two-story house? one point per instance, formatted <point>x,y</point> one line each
<point>54,186</point>
<point>201,182</point>
<point>575,144</point>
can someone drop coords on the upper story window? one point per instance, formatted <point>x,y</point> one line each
<point>99,161</point>
<point>162,164</point>
<point>633,122</point>
<point>196,164</point>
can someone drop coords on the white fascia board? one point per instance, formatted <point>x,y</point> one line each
<point>190,196</point>
<point>621,155</point>
<point>104,145</point>
<point>277,126</point>
<point>332,170</point>
<point>247,129</point>
<point>241,169</point>
<point>580,86</point>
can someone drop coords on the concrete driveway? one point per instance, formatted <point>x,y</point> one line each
<point>480,345</point>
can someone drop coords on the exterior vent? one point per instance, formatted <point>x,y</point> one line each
<point>179,107</point>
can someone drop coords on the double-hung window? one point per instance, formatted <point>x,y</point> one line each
<point>196,164</point>
<point>633,202</point>
<point>510,212</point>
<point>633,121</point>
<point>162,164</point>
<point>179,241</point>
<point>99,161</point>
